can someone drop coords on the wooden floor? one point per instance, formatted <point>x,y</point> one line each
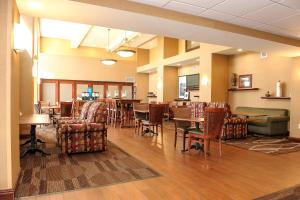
<point>238,174</point>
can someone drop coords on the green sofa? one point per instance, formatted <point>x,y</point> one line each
<point>274,123</point>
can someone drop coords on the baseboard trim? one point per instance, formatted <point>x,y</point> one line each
<point>294,139</point>
<point>7,194</point>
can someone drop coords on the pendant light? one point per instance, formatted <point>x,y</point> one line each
<point>126,53</point>
<point>108,61</point>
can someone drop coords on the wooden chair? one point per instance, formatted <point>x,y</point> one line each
<point>213,124</point>
<point>138,116</point>
<point>181,126</point>
<point>66,109</point>
<point>156,115</point>
<point>115,112</point>
<point>44,103</point>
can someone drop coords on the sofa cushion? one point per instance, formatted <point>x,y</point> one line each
<point>258,122</point>
<point>265,111</point>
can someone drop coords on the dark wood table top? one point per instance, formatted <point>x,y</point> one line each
<point>50,107</point>
<point>35,119</point>
<point>141,111</point>
<point>192,119</point>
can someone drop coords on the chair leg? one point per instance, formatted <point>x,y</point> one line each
<point>183,144</point>
<point>205,148</point>
<point>190,142</point>
<point>161,130</point>
<point>175,141</point>
<point>220,147</point>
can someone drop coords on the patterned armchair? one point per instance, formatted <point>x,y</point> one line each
<point>234,127</point>
<point>85,135</point>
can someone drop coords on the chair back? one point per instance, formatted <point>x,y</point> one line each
<point>66,108</point>
<point>85,109</point>
<point>182,112</point>
<point>97,113</point>
<point>140,106</point>
<point>213,121</point>
<point>156,113</point>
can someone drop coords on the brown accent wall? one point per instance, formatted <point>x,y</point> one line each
<point>170,47</point>
<point>170,85</point>
<point>219,78</point>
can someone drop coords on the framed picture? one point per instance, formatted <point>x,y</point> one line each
<point>191,45</point>
<point>245,81</point>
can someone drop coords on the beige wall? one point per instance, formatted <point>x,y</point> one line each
<point>219,78</point>
<point>265,74</point>
<point>156,54</point>
<point>295,95</point>
<point>9,105</point>
<point>80,64</point>
<point>26,64</point>
<point>189,70</point>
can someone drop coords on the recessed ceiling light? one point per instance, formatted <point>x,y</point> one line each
<point>240,50</point>
<point>34,5</point>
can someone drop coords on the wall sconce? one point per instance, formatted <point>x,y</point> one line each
<point>19,40</point>
<point>204,81</point>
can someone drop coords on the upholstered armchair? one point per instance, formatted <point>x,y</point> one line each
<point>86,134</point>
<point>234,127</point>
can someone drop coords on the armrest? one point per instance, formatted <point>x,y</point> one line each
<point>278,119</point>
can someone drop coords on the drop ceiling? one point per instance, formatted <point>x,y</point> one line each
<point>93,36</point>
<point>280,17</point>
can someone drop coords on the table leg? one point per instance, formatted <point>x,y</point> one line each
<point>33,143</point>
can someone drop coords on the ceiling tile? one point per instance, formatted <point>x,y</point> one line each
<point>240,7</point>
<point>246,23</point>
<point>158,3</point>
<point>292,22</point>
<point>202,3</point>
<point>295,4</point>
<point>217,15</point>
<point>270,13</point>
<point>185,8</point>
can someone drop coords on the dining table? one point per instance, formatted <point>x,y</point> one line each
<point>196,120</point>
<point>51,108</point>
<point>33,120</point>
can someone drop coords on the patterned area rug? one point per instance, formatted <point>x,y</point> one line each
<point>60,172</point>
<point>266,145</point>
<point>292,193</point>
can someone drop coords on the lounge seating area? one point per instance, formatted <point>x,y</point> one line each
<point>149,100</point>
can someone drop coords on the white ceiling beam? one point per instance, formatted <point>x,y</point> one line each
<point>79,37</point>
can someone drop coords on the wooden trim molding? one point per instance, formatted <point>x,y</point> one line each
<point>7,194</point>
<point>294,139</point>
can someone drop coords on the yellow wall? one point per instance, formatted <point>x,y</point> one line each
<point>9,105</point>
<point>295,95</point>
<point>265,73</point>
<point>80,64</point>
<point>219,78</point>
